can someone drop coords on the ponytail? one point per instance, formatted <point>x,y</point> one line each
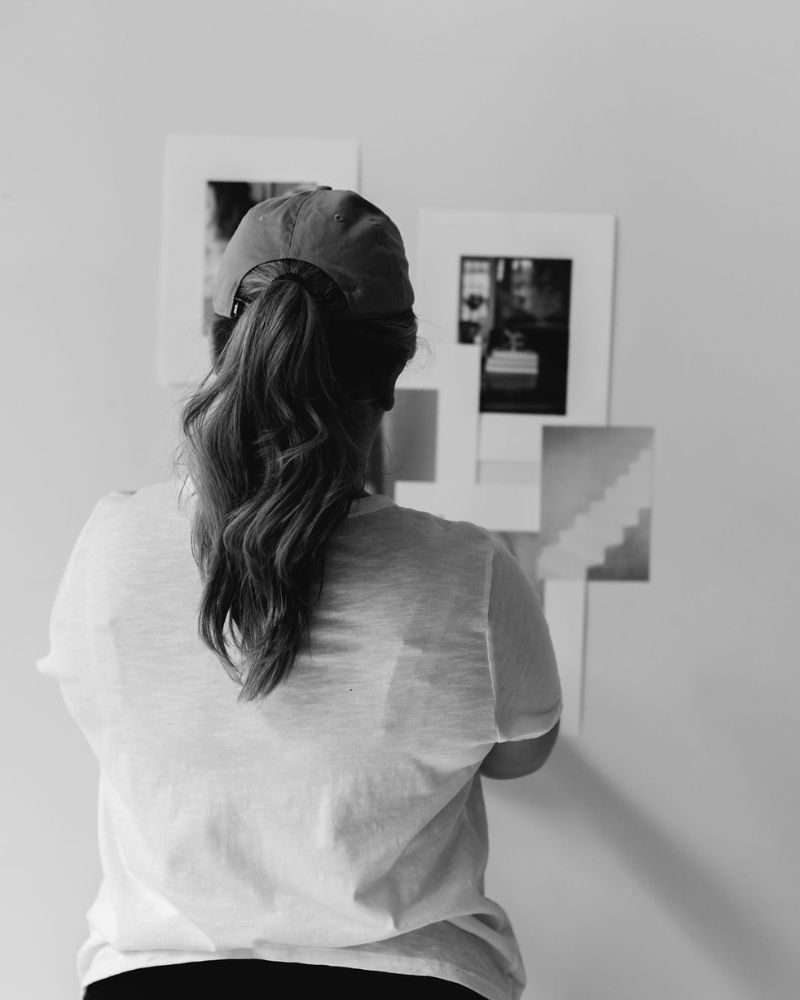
<point>271,440</point>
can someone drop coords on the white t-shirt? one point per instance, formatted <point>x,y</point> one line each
<point>341,820</point>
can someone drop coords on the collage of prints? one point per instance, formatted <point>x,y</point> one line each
<point>502,417</point>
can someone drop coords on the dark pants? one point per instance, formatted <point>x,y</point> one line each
<point>250,977</point>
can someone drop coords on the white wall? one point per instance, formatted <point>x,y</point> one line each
<point>656,856</point>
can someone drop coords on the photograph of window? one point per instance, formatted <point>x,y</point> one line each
<point>517,310</point>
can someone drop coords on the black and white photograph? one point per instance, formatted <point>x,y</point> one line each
<point>517,310</point>
<point>597,503</point>
<point>533,291</point>
<point>227,203</point>
<point>401,555</point>
<point>208,183</point>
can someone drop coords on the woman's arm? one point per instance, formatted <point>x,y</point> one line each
<point>516,758</point>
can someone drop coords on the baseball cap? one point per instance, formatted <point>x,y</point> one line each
<point>351,240</point>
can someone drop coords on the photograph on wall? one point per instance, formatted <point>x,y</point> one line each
<point>432,432</point>
<point>534,290</point>
<point>227,203</point>
<point>210,182</point>
<point>517,310</point>
<point>409,433</point>
<point>596,503</point>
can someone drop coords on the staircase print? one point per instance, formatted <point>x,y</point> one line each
<point>585,542</point>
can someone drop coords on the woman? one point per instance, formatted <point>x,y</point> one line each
<point>311,817</point>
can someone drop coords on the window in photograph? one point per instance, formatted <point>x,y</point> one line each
<point>517,310</point>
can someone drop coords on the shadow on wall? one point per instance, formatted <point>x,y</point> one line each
<point>713,913</point>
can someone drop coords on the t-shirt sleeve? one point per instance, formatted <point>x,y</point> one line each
<point>527,689</point>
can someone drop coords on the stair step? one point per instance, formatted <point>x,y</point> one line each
<point>593,533</point>
<point>638,485</point>
<point>589,553</point>
<point>612,515</point>
<point>555,563</point>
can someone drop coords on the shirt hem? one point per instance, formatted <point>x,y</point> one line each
<point>372,961</point>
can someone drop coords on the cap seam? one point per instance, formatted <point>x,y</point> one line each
<point>300,211</point>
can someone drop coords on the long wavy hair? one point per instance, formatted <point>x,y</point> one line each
<point>273,440</point>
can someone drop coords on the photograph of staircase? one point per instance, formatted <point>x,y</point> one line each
<point>596,503</point>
